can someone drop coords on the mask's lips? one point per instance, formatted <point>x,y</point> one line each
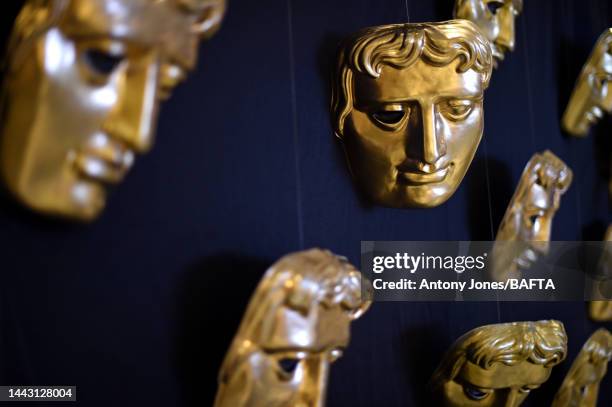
<point>423,174</point>
<point>104,160</point>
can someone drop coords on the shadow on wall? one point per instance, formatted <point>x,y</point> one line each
<point>501,191</point>
<point>327,59</point>
<point>602,148</point>
<point>571,58</point>
<point>594,231</point>
<point>211,300</point>
<point>444,9</point>
<point>422,348</point>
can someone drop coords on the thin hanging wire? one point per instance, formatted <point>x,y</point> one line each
<point>296,150</point>
<point>407,12</point>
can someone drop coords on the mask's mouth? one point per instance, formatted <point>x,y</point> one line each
<point>424,174</point>
<point>103,160</point>
<point>527,258</point>
<point>499,53</point>
<point>594,114</point>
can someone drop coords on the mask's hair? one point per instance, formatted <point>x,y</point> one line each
<point>599,347</point>
<point>541,343</point>
<point>304,282</point>
<point>518,6</point>
<point>551,171</point>
<point>544,169</point>
<point>34,19</point>
<point>400,46</point>
<point>38,16</point>
<point>596,351</point>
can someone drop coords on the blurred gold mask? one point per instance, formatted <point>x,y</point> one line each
<point>495,18</point>
<point>499,365</point>
<point>601,311</point>
<point>81,93</point>
<point>408,108</point>
<point>527,224</point>
<point>296,325</point>
<point>592,95</point>
<point>581,385</point>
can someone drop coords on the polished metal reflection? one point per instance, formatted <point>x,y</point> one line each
<point>81,93</point>
<point>408,108</point>
<point>581,385</point>
<point>601,311</point>
<point>528,220</point>
<point>296,325</point>
<point>592,95</point>
<point>499,365</point>
<point>496,19</point>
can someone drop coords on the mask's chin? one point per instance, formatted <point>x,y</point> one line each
<point>499,55</point>
<point>88,201</point>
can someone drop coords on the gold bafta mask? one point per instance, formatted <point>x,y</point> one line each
<point>581,385</point>
<point>592,95</point>
<point>495,18</point>
<point>524,232</point>
<point>296,325</point>
<point>601,311</point>
<point>499,365</point>
<point>81,93</point>
<point>408,108</point>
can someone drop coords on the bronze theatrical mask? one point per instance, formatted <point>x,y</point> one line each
<point>601,311</point>
<point>83,83</point>
<point>495,18</point>
<point>524,232</point>
<point>581,385</point>
<point>408,108</point>
<point>499,365</point>
<point>592,95</point>
<point>296,325</point>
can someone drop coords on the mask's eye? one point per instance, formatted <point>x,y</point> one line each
<point>494,6</point>
<point>457,110</point>
<point>288,365</point>
<point>391,117</point>
<point>101,62</point>
<point>474,393</point>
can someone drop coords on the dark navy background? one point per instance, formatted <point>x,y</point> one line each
<point>139,308</point>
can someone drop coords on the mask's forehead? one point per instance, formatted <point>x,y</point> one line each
<point>151,23</point>
<point>322,329</point>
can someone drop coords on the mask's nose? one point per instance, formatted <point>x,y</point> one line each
<point>423,141</point>
<point>313,389</point>
<point>133,119</point>
<point>512,399</point>
<point>507,36</point>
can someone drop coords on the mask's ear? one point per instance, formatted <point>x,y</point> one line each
<point>210,15</point>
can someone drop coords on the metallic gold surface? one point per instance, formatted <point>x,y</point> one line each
<point>581,385</point>
<point>592,95</point>
<point>499,365</point>
<point>408,108</point>
<point>82,88</point>
<point>296,325</point>
<point>601,311</point>
<point>528,220</point>
<point>496,19</point>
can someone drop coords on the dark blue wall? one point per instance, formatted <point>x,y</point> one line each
<point>138,308</point>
